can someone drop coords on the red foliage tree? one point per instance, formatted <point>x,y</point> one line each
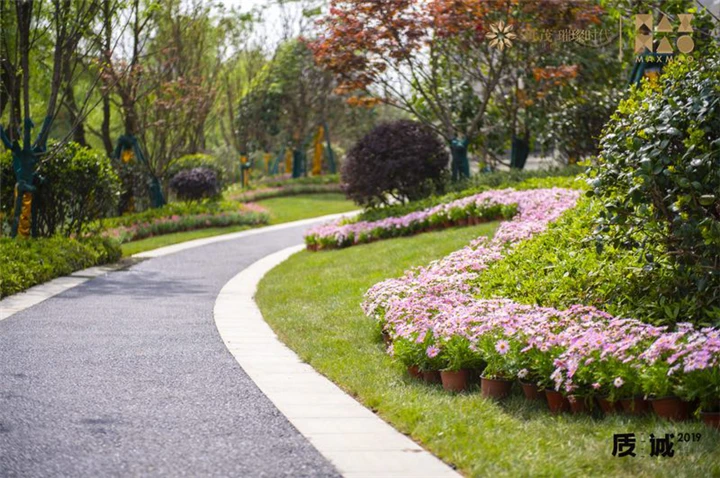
<point>440,60</point>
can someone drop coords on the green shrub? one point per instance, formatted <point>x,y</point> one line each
<point>29,262</point>
<point>563,267</point>
<point>192,161</point>
<point>499,180</point>
<point>658,178</point>
<point>207,206</point>
<point>242,215</point>
<point>79,186</point>
<point>283,191</point>
<point>576,127</point>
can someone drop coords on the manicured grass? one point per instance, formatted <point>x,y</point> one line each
<point>312,303</point>
<point>282,209</point>
<point>293,208</point>
<point>130,248</point>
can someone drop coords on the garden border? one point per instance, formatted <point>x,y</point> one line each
<point>354,439</point>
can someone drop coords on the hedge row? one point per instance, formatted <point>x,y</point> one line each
<point>27,263</point>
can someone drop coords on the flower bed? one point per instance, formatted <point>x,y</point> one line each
<point>281,191</point>
<point>483,207</point>
<point>245,214</point>
<point>435,322</point>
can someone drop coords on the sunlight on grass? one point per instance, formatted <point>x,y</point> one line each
<point>312,303</point>
<point>293,208</point>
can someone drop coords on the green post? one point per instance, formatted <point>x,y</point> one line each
<point>298,163</point>
<point>128,144</point>
<point>519,152</point>
<point>330,153</point>
<point>460,165</point>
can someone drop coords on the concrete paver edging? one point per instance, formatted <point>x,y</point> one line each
<point>34,295</point>
<point>349,435</point>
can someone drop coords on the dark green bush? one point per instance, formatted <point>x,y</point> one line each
<point>658,178</point>
<point>401,159</point>
<point>29,262</point>
<point>497,180</point>
<point>79,186</point>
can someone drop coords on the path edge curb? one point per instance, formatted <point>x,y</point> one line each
<point>354,439</point>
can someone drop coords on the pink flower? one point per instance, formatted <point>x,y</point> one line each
<point>618,382</point>
<point>432,351</point>
<point>502,347</point>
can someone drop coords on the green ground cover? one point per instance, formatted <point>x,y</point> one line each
<point>326,327</point>
<point>25,263</point>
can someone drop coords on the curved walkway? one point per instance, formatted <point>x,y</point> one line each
<point>126,374</point>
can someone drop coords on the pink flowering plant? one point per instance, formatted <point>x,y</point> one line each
<point>436,321</point>
<point>143,225</point>
<point>701,369</point>
<point>500,356</point>
<point>486,206</point>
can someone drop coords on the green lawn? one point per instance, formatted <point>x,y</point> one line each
<point>282,209</point>
<point>293,208</point>
<point>312,303</point>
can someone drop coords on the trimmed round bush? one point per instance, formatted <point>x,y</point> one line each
<point>195,184</point>
<point>402,159</point>
<point>78,186</point>
<point>192,161</point>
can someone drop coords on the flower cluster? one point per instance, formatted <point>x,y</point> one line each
<point>483,207</point>
<point>247,214</point>
<point>436,322</point>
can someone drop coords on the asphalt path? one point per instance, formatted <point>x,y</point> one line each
<point>126,375</point>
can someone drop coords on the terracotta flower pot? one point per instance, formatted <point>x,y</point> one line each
<point>455,380</point>
<point>635,406</point>
<point>671,408</point>
<point>711,419</point>
<point>495,388</point>
<point>578,405</point>
<point>556,401</point>
<point>431,376</point>
<point>608,407</point>
<point>531,391</point>
<point>415,372</point>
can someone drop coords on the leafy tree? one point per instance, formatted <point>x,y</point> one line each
<point>26,28</point>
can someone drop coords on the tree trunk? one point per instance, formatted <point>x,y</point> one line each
<point>76,123</point>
